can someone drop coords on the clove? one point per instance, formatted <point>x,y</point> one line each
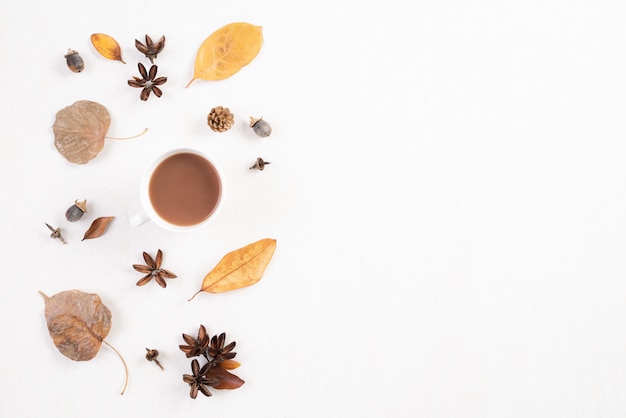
<point>152,355</point>
<point>259,164</point>
<point>56,234</point>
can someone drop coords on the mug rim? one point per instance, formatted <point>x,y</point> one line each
<point>144,192</point>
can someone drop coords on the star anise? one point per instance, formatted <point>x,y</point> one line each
<point>153,270</point>
<point>215,372</point>
<point>150,49</point>
<point>198,381</point>
<point>218,352</point>
<point>148,82</point>
<point>196,346</point>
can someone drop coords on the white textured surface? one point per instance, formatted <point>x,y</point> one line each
<point>446,189</point>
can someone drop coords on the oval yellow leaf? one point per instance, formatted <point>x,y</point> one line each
<point>239,268</point>
<point>107,46</point>
<point>227,50</point>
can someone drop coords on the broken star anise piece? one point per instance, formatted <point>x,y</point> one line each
<point>153,269</point>
<point>196,346</point>
<point>218,351</point>
<point>198,381</point>
<point>148,82</point>
<point>150,49</point>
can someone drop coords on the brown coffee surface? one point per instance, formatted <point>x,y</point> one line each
<point>184,189</point>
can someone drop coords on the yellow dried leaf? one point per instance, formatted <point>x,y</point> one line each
<point>230,364</point>
<point>107,46</point>
<point>227,50</point>
<point>239,268</point>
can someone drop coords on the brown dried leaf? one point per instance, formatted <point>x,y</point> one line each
<point>239,268</point>
<point>98,227</point>
<point>227,380</point>
<point>77,322</point>
<point>227,50</point>
<point>107,46</point>
<point>79,130</point>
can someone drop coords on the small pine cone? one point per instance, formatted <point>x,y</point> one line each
<point>220,119</point>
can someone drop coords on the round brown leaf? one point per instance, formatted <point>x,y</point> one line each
<point>77,322</point>
<point>79,130</point>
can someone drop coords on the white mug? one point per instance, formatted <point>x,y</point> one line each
<point>149,213</point>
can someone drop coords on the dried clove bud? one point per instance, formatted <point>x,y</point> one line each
<point>151,355</point>
<point>259,164</point>
<point>76,211</point>
<point>56,234</point>
<point>74,61</point>
<point>260,127</point>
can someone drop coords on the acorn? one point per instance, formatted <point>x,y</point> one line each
<point>74,61</point>
<point>76,211</point>
<point>260,127</point>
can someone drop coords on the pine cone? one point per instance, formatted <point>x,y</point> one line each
<point>220,119</point>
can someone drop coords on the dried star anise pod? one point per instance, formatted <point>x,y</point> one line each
<point>215,372</point>
<point>198,381</point>
<point>148,82</point>
<point>196,346</point>
<point>153,270</point>
<point>218,351</point>
<point>150,49</point>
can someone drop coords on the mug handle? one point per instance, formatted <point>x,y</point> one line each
<point>139,219</point>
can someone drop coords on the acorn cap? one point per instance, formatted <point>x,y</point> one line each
<point>81,204</point>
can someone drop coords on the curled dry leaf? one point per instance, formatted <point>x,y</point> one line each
<point>227,50</point>
<point>80,129</point>
<point>78,322</point>
<point>107,46</point>
<point>226,379</point>
<point>239,268</point>
<point>98,227</point>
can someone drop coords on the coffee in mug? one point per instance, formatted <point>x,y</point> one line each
<point>182,190</point>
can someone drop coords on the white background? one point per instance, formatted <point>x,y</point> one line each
<point>446,191</point>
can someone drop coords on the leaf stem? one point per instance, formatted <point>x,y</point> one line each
<point>129,137</point>
<point>194,295</point>
<point>123,362</point>
<point>192,80</point>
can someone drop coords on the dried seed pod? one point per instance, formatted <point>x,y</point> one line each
<point>56,233</point>
<point>74,61</point>
<point>150,49</point>
<point>260,127</point>
<point>259,164</point>
<point>151,355</point>
<point>76,211</point>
